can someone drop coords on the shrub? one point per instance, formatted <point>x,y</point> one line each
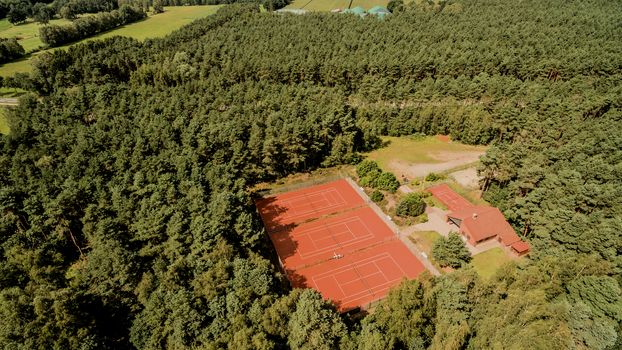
<point>376,196</point>
<point>370,180</point>
<point>18,12</point>
<point>366,167</point>
<point>10,49</point>
<point>451,251</point>
<point>411,205</point>
<point>431,177</point>
<point>387,182</point>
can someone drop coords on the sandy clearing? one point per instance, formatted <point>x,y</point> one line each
<point>447,161</point>
<point>467,178</point>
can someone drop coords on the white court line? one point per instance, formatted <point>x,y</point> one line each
<point>376,288</point>
<point>290,208</point>
<point>343,268</point>
<point>315,282</point>
<point>310,233</point>
<point>366,276</point>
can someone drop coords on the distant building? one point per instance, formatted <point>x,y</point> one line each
<point>379,11</point>
<point>356,11</point>
<point>294,11</point>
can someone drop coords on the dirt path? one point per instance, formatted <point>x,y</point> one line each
<point>9,101</point>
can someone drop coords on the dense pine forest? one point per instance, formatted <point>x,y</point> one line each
<point>126,219</point>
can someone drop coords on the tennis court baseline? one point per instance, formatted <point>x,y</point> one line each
<point>363,277</point>
<point>284,210</point>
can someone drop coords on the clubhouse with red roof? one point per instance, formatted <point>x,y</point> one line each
<point>479,223</point>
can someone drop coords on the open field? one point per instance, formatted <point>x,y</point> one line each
<point>415,157</point>
<point>367,4</point>
<point>20,66</point>
<point>487,263</point>
<point>154,26</point>
<point>328,5</point>
<point>27,33</point>
<point>157,26</point>
<point>319,5</point>
<point>4,126</point>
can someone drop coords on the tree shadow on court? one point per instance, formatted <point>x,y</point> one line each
<point>276,231</point>
<point>296,280</point>
<point>270,213</point>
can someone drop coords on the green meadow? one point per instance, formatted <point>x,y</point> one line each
<point>488,262</point>
<point>154,26</point>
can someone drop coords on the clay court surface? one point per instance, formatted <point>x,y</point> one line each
<point>362,277</point>
<point>320,240</point>
<point>282,211</point>
<point>328,239</point>
<point>451,199</point>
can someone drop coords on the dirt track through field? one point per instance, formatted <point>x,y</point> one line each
<point>449,160</point>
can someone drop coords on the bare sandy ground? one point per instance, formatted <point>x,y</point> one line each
<point>467,178</point>
<point>447,161</point>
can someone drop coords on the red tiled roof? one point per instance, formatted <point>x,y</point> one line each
<point>484,222</point>
<point>481,221</point>
<point>521,247</point>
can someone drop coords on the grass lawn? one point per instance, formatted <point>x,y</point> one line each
<point>157,26</point>
<point>319,5</point>
<point>4,126</point>
<point>27,33</point>
<point>19,66</point>
<point>471,196</point>
<point>154,26</point>
<point>487,263</point>
<point>416,149</point>
<point>425,240</point>
<point>367,4</point>
<point>6,92</point>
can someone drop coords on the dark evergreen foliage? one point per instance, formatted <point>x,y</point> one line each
<point>451,251</point>
<point>56,35</point>
<point>126,219</point>
<point>10,49</point>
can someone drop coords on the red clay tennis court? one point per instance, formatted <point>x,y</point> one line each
<point>351,257</point>
<point>287,209</point>
<point>321,240</point>
<point>451,199</point>
<point>360,278</point>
